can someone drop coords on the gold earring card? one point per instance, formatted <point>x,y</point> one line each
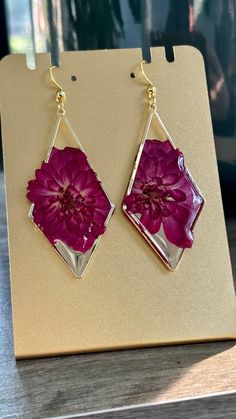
<point>127,297</point>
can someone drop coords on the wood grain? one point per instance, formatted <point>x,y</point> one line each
<point>139,383</point>
<point>212,407</point>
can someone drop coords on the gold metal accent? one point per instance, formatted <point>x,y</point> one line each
<point>143,73</point>
<point>60,94</point>
<point>151,90</point>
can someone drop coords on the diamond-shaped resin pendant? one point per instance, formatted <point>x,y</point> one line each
<point>162,200</point>
<point>69,204</point>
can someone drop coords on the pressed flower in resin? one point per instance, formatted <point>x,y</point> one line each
<point>69,203</point>
<point>163,194</point>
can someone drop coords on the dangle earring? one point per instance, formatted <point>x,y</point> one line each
<point>162,199</point>
<point>69,204</point>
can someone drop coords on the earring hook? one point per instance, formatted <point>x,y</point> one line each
<point>143,73</point>
<point>60,94</point>
<point>52,78</point>
<point>151,90</point>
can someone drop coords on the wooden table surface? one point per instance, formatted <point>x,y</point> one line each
<point>188,381</point>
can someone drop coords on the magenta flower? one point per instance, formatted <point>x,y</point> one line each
<point>69,202</point>
<point>163,193</point>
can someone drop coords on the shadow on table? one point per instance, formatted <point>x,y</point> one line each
<point>82,383</point>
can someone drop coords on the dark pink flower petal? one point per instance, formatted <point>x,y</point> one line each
<point>59,158</point>
<point>177,233</point>
<point>154,147</point>
<point>161,167</point>
<point>177,211</point>
<point>37,191</point>
<point>65,175</point>
<point>170,179</point>
<point>53,186</point>
<point>177,195</point>
<point>135,203</point>
<point>145,219</point>
<point>151,224</point>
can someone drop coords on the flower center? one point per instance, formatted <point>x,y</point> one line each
<point>70,199</point>
<point>152,192</point>
<point>156,194</point>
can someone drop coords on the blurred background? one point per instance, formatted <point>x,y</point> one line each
<point>209,25</point>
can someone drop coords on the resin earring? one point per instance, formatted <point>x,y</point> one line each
<point>162,200</point>
<point>69,204</point>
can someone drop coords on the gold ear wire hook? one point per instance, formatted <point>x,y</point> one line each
<point>60,95</point>
<point>52,78</point>
<point>151,90</point>
<point>144,75</point>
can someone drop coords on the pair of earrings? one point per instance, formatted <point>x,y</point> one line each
<point>72,209</point>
